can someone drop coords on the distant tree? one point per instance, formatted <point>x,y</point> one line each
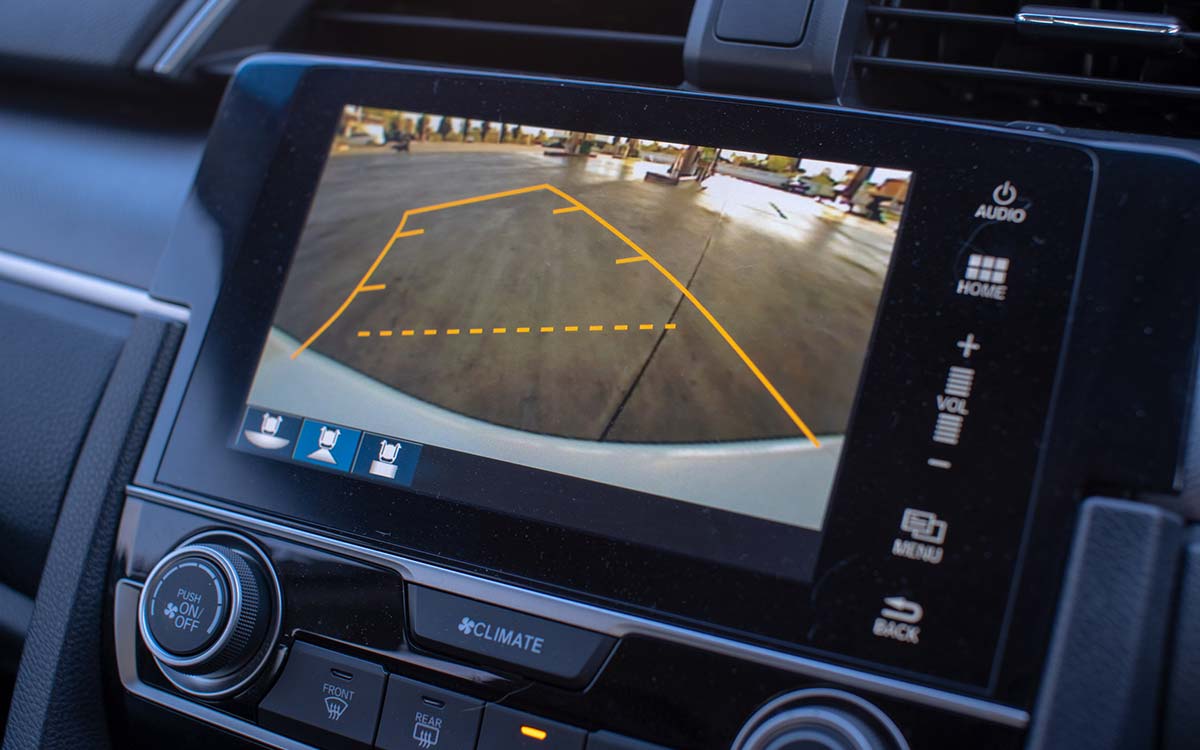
<point>500,135</point>
<point>484,129</point>
<point>444,127</point>
<point>422,126</point>
<point>466,130</point>
<point>515,133</point>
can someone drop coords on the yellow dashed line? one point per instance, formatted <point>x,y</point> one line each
<point>568,209</point>
<point>634,259</point>
<point>374,288</point>
<point>410,233</point>
<point>522,329</point>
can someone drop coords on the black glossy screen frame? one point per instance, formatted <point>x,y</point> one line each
<point>686,590</point>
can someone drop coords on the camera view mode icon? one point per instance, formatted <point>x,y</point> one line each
<point>270,431</point>
<point>387,458</point>
<point>326,445</point>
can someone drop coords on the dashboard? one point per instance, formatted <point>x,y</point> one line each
<point>474,409</point>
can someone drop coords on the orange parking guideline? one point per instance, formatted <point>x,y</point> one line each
<point>361,286</point>
<point>687,293</point>
<point>575,205</point>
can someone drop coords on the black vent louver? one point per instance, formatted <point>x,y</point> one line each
<point>973,58</point>
<point>617,40</point>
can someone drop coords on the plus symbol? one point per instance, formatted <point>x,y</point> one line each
<point>968,345</point>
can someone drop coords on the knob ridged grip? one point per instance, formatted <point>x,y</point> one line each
<point>205,609</point>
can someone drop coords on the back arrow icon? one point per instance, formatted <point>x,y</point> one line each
<point>902,610</point>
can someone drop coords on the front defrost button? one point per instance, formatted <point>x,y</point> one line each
<point>325,699</point>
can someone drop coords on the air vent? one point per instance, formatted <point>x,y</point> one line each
<point>616,40</point>
<point>1130,66</point>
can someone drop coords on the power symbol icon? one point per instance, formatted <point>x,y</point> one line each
<point>1004,194</point>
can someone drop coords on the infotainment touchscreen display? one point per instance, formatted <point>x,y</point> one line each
<point>762,370</point>
<point>682,320</point>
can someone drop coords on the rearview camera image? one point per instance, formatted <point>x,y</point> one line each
<point>684,320</point>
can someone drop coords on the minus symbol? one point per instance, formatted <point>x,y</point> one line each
<point>939,463</point>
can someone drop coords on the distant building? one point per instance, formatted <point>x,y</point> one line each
<point>894,188</point>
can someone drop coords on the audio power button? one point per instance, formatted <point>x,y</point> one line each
<point>1004,194</point>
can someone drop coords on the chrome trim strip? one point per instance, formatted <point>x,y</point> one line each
<point>197,31</point>
<point>1080,20</point>
<point>613,623</point>
<point>86,288</point>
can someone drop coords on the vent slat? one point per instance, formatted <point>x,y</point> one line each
<point>1082,83</point>
<point>941,16</point>
<point>940,57</point>
<point>628,41</point>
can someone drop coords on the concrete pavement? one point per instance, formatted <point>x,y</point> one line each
<point>795,284</point>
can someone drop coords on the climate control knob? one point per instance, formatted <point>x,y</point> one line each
<point>206,612</point>
<point>819,720</point>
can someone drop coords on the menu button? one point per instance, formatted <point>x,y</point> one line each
<point>548,650</point>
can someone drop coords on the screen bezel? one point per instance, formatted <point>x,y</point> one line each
<point>685,589</point>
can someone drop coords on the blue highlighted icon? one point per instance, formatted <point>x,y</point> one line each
<point>326,445</point>
<point>268,431</point>
<point>388,459</point>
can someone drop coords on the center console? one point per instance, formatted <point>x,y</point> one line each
<point>545,414</point>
